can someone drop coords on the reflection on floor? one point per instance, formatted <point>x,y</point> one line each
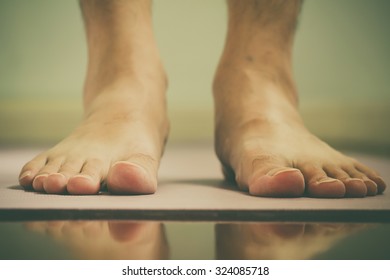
<point>186,240</point>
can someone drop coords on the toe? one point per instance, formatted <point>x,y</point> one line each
<point>129,178</point>
<point>30,170</point>
<point>319,184</point>
<point>372,175</point>
<point>354,186</point>
<point>83,185</point>
<point>269,175</point>
<point>89,178</point>
<point>38,181</point>
<point>380,183</point>
<point>371,186</point>
<point>326,187</point>
<point>25,178</point>
<point>55,183</point>
<point>278,182</point>
<point>51,167</point>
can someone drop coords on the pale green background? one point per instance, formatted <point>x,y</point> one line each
<point>342,66</point>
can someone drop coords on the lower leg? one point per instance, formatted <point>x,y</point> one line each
<point>121,138</point>
<point>260,137</point>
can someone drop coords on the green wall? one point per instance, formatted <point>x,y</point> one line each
<point>342,66</point>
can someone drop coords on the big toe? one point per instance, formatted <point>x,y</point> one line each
<point>283,182</point>
<point>125,177</point>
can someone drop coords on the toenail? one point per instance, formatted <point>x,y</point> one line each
<point>83,176</point>
<point>354,179</point>
<point>286,170</point>
<point>25,174</point>
<point>139,166</point>
<point>57,174</point>
<point>327,180</point>
<point>40,176</point>
<point>379,178</point>
<point>370,182</point>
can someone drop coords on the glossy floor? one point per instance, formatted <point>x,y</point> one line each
<point>192,240</point>
<point>190,188</point>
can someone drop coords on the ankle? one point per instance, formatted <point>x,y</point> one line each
<point>132,77</point>
<point>267,69</point>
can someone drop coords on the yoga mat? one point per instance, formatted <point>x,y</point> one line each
<point>191,187</point>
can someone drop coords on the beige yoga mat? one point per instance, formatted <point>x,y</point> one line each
<point>191,187</point>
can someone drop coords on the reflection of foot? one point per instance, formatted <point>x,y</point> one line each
<point>260,137</point>
<point>107,240</point>
<point>121,139</point>
<point>278,241</point>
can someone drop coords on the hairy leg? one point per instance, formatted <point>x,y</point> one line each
<point>121,139</point>
<point>260,137</point>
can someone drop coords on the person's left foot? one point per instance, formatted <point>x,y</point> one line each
<point>263,144</point>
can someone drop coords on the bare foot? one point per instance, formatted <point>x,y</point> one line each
<point>122,137</point>
<point>120,142</point>
<point>261,140</point>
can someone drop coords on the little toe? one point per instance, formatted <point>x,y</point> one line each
<point>380,184</point>
<point>26,178</point>
<point>279,182</point>
<point>126,177</point>
<point>372,175</point>
<point>30,170</point>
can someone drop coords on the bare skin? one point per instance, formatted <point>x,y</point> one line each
<point>260,137</point>
<point>121,139</point>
